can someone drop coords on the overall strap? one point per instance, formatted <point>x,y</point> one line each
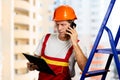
<point>44,44</point>
<point>69,53</point>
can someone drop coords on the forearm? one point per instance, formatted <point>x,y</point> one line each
<point>80,57</point>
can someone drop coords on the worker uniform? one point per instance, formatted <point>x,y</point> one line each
<point>61,62</point>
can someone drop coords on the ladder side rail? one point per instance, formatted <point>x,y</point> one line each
<point>107,66</point>
<point>107,15</point>
<point>113,46</point>
<point>117,36</point>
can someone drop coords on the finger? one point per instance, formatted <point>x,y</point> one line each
<point>72,30</point>
<point>68,33</point>
<point>69,29</point>
<point>33,67</point>
<point>29,66</point>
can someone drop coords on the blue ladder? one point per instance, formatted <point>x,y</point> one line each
<point>113,52</point>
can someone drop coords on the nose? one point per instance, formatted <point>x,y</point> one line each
<point>59,27</point>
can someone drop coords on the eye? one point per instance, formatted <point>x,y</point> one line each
<point>56,24</point>
<point>63,24</point>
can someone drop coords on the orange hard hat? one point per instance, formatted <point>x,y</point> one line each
<point>64,12</point>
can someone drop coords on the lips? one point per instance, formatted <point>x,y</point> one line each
<point>61,32</point>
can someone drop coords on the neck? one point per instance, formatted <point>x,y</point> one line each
<point>64,38</point>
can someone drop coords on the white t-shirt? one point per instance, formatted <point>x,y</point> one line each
<point>58,49</point>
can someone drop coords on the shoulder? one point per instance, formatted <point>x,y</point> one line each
<point>52,35</point>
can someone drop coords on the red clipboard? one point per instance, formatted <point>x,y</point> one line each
<point>42,65</point>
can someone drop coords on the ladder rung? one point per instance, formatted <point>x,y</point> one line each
<point>96,72</point>
<point>107,51</point>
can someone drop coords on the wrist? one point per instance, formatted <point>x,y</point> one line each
<point>75,44</point>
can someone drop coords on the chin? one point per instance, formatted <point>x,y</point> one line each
<point>61,34</point>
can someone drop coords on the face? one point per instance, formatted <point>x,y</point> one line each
<point>61,27</point>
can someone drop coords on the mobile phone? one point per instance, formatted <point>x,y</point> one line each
<point>72,25</point>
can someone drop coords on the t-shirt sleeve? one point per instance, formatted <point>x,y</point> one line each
<point>84,48</point>
<point>39,47</point>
